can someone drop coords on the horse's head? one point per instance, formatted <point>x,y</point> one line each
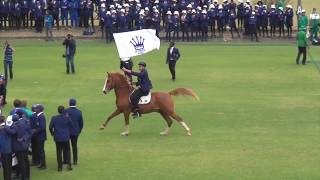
<point>108,84</point>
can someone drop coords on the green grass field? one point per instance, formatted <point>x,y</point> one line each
<point>258,117</point>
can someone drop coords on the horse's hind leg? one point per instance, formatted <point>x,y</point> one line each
<point>114,114</point>
<point>183,124</point>
<point>168,125</point>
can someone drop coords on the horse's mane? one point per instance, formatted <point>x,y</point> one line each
<point>122,79</point>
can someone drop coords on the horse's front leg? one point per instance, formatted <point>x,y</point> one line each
<point>126,121</point>
<point>114,114</point>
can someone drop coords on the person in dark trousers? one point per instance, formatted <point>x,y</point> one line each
<point>8,59</point>
<point>21,135</point>
<point>34,138</point>
<point>173,56</point>
<point>41,135</point>
<point>77,124</point>
<point>302,43</point>
<point>70,44</point>
<point>144,85</point>
<point>60,127</point>
<point>3,90</point>
<point>5,149</point>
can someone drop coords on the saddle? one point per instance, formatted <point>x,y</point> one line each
<point>144,99</point>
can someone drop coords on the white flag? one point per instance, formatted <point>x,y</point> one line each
<point>135,43</point>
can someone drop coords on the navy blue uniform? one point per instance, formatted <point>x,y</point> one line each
<point>281,19</point>
<point>253,27</point>
<point>108,26</point>
<point>169,26</point>
<point>176,27</point>
<point>77,125</point>
<point>185,26</point>
<point>265,22</point>
<point>232,23</point>
<point>173,56</point>
<point>289,21</point>
<point>144,84</point>
<point>21,135</point>
<point>60,127</point>
<point>41,136</point>
<point>6,151</point>
<point>204,23</point>
<point>273,19</point>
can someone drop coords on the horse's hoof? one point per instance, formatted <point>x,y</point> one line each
<point>189,133</point>
<point>163,133</point>
<point>102,127</point>
<point>124,134</point>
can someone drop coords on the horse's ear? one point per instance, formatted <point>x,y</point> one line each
<point>108,73</point>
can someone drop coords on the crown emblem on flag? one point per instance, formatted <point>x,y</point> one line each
<point>138,44</point>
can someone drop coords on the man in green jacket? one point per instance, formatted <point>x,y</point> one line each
<point>314,23</point>
<point>302,46</point>
<point>303,21</point>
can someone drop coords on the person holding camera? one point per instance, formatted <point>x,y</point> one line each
<point>70,45</point>
<point>8,59</point>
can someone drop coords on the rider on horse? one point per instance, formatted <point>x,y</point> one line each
<point>144,85</point>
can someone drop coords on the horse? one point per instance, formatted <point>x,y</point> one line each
<point>161,102</point>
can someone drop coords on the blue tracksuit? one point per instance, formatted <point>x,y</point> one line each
<point>74,13</point>
<point>64,12</point>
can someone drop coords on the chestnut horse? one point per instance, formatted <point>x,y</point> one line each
<point>161,102</point>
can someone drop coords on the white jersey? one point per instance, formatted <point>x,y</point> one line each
<point>314,16</point>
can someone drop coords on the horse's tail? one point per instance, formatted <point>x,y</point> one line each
<point>184,92</point>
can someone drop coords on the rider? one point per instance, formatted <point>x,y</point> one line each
<point>144,85</point>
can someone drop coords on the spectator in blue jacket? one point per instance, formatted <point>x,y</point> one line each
<point>77,124</point>
<point>70,45</point>
<point>41,135</point>
<point>60,127</point>
<point>108,26</point>
<point>48,21</point>
<point>8,51</point>
<point>289,20</point>
<point>64,12</point>
<point>5,149</point>
<point>21,134</point>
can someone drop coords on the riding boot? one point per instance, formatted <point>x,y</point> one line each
<point>136,113</point>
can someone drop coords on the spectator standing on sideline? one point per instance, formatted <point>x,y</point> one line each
<point>70,44</point>
<point>302,46</point>
<point>20,143</point>
<point>41,135</point>
<point>314,24</point>
<point>3,90</point>
<point>77,124</point>
<point>5,150</point>
<point>48,21</point>
<point>8,60</point>
<point>173,56</point>
<point>59,127</point>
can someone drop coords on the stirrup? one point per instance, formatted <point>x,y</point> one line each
<point>136,115</point>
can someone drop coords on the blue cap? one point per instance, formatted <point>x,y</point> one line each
<point>72,102</point>
<point>2,77</point>
<point>40,107</point>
